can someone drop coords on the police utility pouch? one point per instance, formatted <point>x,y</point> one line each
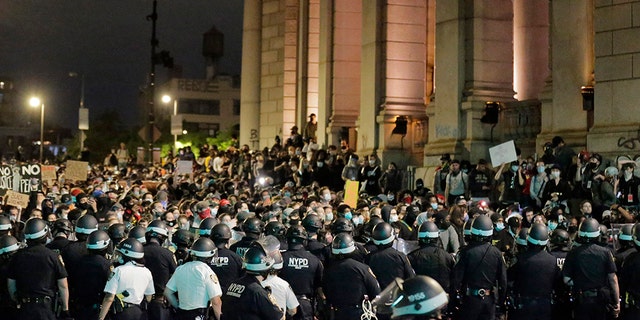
<point>118,302</point>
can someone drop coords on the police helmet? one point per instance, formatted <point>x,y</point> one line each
<point>626,233</point>
<point>297,232</point>
<point>368,227</point>
<point>137,233</point>
<point>86,224</point>
<point>559,237</point>
<point>5,223</point>
<point>521,239</point>
<point>35,229</point>
<point>275,228</point>
<point>220,232</point>
<point>636,234</point>
<point>343,244</point>
<point>205,226</point>
<point>131,248</point>
<point>62,225</point>
<point>383,234</point>
<point>467,228</point>
<point>203,248</point>
<point>98,240</point>
<point>256,260</point>
<point>482,227</point>
<point>428,231</point>
<point>538,235</point>
<point>117,232</point>
<point>252,226</point>
<point>278,262</point>
<point>182,238</point>
<point>589,229</point>
<point>157,229</point>
<point>312,223</point>
<point>341,225</point>
<point>420,295</point>
<point>8,244</point>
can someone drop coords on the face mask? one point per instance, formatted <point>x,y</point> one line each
<point>372,162</point>
<point>393,218</point>
<point>294,168</point>
<point>264,198</point>
<point>327,197</point>
<point>287,194</point>
<point>552,225</point>
<point>390,197</point>
<point>540,169</point>
<point>298,152</point>
<point>357,220</point>
<point>572,229</point>
<point>328,217</point>
<point>320,164</point>
<point>185,226</point>
<point>555,174</point>
<point>499,226</point>
<point>348,215</point>
<point>627,175</point>
<point>465,218</point>
<point>445,225</point>
<point>434,206</point>
<point>514,168</point>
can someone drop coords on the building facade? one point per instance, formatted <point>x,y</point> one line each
<point>562,68</point>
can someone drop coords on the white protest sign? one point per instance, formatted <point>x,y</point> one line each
<point>503,153</point>
<point>184,167</point>
<point>17,199</point>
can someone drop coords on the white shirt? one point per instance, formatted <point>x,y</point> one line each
<point>131,277</point>
<point>281,292</point>
<point>195,284</point>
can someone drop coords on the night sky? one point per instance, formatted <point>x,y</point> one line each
<point>41,41</point>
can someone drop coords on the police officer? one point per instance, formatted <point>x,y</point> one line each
<point>533,293</point>
<point>36,274</point>
<point>8,247</point>
<point>93,270</point>
<point>630,279</point>
<point>367,230</point>
<point>182,239</point>
<point>591,271</point>
<point>128,284</point>
<point>196,284</point>
<point>246,299</point>
<point>431,259</point>
<point>162,263</point>
<point>73,252</point>
<point>388,263</point>
<point>344,225</point>
<point>625,240</point>
<point>280,289</point>
<point>418,298</point>
<point>204,229</point>
<point>479,268</point>
<point>252,228</point>
<point>138,233</point>
<point>560,243</point>
<point>312,223</point>
<point>60,231</point>
<point>226,264</point>
<point>303,271</point>
<point>277,229</point>
<point>117,232</point>
<point>6,227</point>
<point>347,281</point>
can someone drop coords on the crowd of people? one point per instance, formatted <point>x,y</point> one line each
<point>267,235</point>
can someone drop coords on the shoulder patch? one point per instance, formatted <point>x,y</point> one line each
<point>214,278</point>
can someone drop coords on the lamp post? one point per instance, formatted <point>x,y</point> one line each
<point>83,114</point>
<point>166,99</point>
<point>36,102</point>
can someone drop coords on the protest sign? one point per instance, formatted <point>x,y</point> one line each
<point>76,170</point>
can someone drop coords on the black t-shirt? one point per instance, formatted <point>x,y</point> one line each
<point>347,281</point>
<point>434,262</point>
<point>94,271</point>
<point>302,270</point>
<point>535,274</point>
<point>246,299</point>
<point>36,271</point>
<point>589,266</point>
<point>388,264</point>
<point>480,266</point>
<point>161,262</point>
<point>227,265</point>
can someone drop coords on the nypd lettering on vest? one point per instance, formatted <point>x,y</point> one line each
<point>235,290</point>
<point>298,263</point>
<point>241,251</point>
<point>560,262</point>
<point>220,261</point>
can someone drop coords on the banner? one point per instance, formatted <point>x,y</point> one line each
<point>20,178</point>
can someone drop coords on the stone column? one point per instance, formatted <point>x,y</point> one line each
<point>250,86</point>
<point>530,47</point>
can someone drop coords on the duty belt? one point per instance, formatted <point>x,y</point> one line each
<point>128,305</point>
<point>478,292</point>
<point>345,307</point>
<point>42,299</point>
<point>592,293</point>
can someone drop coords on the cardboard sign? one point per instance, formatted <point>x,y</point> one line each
<point>351,193</point>
<point>184,167</point>
<point>17,199</point>
<point>20,178</point>
<point>48,173</point>
<point>76,170</point>
<point>503,153</point>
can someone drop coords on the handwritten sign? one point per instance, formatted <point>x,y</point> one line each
<point>76,170</point>
<point>503,153</point>
<point>184,167</point>
<point>48,173</point>
<point>351,193</point>
<point>20,178</point>
<point>17,199</point>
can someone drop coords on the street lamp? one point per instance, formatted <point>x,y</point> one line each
<point>83,113</point>
<point>166,99</point>
<point>36,102</point>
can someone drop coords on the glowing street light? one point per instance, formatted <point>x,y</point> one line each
<point>36,102</point>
